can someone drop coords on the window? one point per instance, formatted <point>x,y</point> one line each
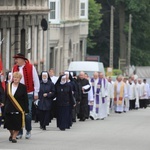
<point>84,9</point>
<point>53,10</point>
<point>54,15</point>
<point>24,2</point>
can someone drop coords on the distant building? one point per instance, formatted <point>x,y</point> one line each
<point>68,30</point>
<point>21,31</point>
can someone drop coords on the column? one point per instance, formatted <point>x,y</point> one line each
<point>4,48</point>
<point>35,45</point>
<point>45,50</point>
<point>61,59</point>
<point>58,62</point>
<point>32,50</point>
<point>41,49</point>
<point>84,46</point>
<point>8,48</point>
<point>29,42</point>
<point>66,49</point>
<point>17,34</point>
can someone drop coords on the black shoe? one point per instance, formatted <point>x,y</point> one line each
<point>73,120</point>
<point>10,138</point>
<point>44,128</point>
<point>62,129</point>
<point>82,119</point>
<point>14,141</point>
<point>91,118</point>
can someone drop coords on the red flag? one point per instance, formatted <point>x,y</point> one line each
<point>2,73</point>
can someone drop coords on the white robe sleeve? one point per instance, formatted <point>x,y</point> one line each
<point>86,87</point>
<point>90,95</point>
<point>104,89</point>
<point>112,91</point>
<point>125,92</point>
<point>35,81</point>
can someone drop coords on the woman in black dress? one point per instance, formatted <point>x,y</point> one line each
<point>64,100</point>
<point>16,106</point>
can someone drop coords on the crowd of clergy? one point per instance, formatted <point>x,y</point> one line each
<point>71,97</point>
<point>95,97</point>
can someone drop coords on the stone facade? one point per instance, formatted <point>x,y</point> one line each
<point>21,31</point>
<point>68,30</point>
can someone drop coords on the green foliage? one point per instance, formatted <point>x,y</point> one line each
<point>99,42</point>
<point>116,72</point>
<point>95,20</point>
<point>139,57</point>
<point>140,11</point>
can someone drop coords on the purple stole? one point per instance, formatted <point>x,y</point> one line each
<point>96,94</point>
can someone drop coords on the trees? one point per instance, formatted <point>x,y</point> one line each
<point>95,20</point>
<point>140,11</point>
<point>140,42</point>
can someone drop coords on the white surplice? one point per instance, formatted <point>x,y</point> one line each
<point>120,107</point>
<point>110,97</point>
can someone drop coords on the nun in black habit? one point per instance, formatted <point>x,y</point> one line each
<point>46,95</point>
<point>64,101</point>
<point>74,92</point>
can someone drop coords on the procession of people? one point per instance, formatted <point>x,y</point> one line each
<point>68,98</point>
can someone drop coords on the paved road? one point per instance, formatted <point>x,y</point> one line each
<point>127,131</point>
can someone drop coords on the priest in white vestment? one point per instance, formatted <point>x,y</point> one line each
<point>126,99</point>
<point>120,93</point>
<point>99,108</point>
<point>142,93</point>
<point>110,95</point>
<point>90,94</point>
<point>136,94</point>
<point>131,94</point>
<point>147,92</point>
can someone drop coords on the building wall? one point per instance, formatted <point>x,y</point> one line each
<point>21,31</point>
<point>67,35</point>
